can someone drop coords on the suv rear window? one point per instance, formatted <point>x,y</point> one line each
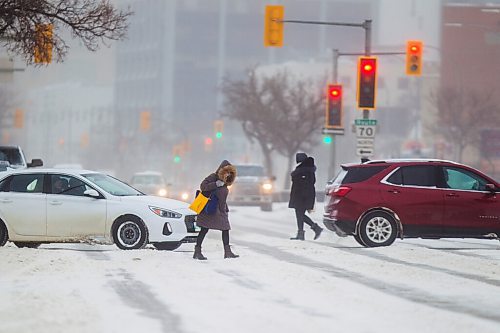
<point>352,175</point>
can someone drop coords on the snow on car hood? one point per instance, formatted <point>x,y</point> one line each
<point>159,202</point>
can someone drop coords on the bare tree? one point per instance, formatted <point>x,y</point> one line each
<point>280,112</point>
<point>462,114</point>
<point>92,21</point>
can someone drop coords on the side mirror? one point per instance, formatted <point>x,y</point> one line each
<point>36,162</point>
<point>491,187</point>
<point>91,193</point>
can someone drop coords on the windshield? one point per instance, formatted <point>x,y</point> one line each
<point>250,171</point>
<point>111,185</point>
<point>148,180</point>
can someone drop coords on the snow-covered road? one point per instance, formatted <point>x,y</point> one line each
<point>277,285</point>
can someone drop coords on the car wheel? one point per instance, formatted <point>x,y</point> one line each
<point>30,245</point>
<point>4,235</point>
<point>130,233</point>
<point>167,246</point>
<point>359,240</point>
<point>268,207</point>
<point>378,228</point>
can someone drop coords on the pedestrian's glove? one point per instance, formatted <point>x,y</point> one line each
<point>219,183</point>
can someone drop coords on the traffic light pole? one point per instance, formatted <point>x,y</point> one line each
<point>367,26</point>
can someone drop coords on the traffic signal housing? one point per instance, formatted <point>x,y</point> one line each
<point>42,52</point>
<point>218,128</point>
<point>333,117</point>
<point>177,152</point>
<point>273,26</point>
<point>145,121</point>
<point>367,82</point>
<point>18,118</point>
<point>414,49</point>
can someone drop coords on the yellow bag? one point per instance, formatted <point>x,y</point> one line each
<point>199,203</point>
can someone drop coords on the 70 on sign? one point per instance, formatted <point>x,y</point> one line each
<point>365,131</point>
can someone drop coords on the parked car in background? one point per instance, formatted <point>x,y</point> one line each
<point>12,157</point>
<point>252,187</point>
<point>57,205</point>
<point>150,182</point>
<point>378,201</point>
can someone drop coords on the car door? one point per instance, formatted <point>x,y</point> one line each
<point>69,212</point>
<point>23,204</point>
<point>470,209</point>
<point>411,193</point>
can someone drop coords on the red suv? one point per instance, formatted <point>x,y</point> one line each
<point>377,201</point>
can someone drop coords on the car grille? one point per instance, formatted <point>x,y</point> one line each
<point>190,221</point>
<point>248,189</point>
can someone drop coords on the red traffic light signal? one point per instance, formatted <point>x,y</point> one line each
<point>414,49</point>
<point>333,117</point>
<point>367,82</point>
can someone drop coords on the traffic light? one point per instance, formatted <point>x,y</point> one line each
<point>273,26</point>
<point>84,140</point>
<point>414,49</point>
<point>145,121</point>
<point>367,82</point>
<point>333,116</point>
<point>18,118</point>
<point>208,144</point>
<point>327,139</point>
<point>218,127</point>
<point>177,151</point>
<point>43,44</point>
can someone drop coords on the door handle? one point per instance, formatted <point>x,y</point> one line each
<point>6,200</point>
<point>393,191</point>
<point>56,203</point>
<point>452,195</point>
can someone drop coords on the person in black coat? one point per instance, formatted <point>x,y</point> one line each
<point>303,194</point>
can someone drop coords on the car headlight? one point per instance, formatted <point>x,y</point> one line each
<point>165,213</point>
<point>267,187</point>
<point>162,192</point>
<point>184,196</point>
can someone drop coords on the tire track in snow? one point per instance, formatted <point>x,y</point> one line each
<point>401,291</point>
<point>475,309</point>
<point>384,258</point>
<point>138,295</point>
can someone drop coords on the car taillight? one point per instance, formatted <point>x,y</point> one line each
<point>340,191</point>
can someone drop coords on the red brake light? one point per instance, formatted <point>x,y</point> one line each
<point>340,191</point>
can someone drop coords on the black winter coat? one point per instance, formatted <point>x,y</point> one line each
<point>303,193</point>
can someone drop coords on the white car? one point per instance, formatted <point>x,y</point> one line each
<point>54,205</point>
<point>150,182</point>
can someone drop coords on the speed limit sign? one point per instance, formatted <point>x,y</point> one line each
<point>365,131</point>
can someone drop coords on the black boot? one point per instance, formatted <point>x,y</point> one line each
<point>300,235</point>
<point>317,230</point>
<point>197,253</point>
<point>228,253</point>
